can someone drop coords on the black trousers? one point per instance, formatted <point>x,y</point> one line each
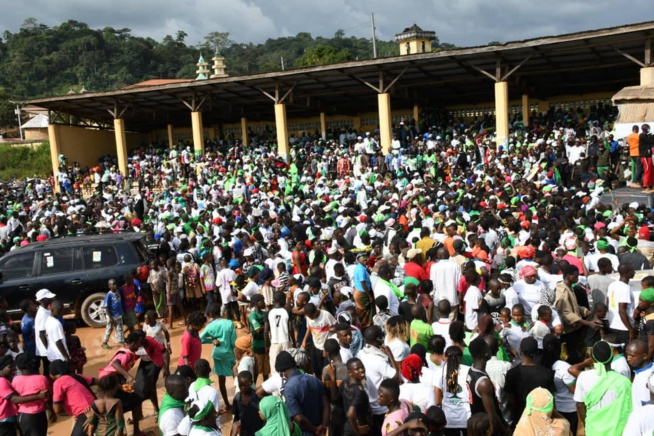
<point>33,424</point>
<point>574,343</point>
<point>146,379</point>
<point>573,419</point>
<point>46,365</point>
<point>376,424</point>
<point>7,429</point>
<point>78,429</point>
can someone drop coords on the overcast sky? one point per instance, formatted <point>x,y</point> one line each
<point>461,22</point>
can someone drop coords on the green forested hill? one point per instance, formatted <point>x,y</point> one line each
<point>41,61</point>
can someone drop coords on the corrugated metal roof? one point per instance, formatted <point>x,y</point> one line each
<point>38,122</point>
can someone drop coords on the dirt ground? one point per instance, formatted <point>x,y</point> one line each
<point>98,358</point>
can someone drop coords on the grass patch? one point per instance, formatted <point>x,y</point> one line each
<point>17,162</point>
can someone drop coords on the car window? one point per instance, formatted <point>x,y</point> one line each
<point>99,256</point>
<point>17,267</point>
<point>142,251</point>
<point>59,260</point>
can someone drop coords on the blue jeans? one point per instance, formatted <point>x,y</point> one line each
<point>210,301</point>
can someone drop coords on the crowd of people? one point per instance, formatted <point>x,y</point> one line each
<point>455,286</point>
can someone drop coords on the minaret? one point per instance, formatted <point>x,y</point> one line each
<point>218,65</point>
<point>203,69</point>
<point>414,40</point>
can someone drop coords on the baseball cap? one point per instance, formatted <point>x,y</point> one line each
<point>44,293</point>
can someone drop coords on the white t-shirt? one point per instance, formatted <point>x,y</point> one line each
<point>619,292</point>
<point>250,289</point>
<point>621,366</point>
<point>529,295</point>
<point>54,331</point>
<point>639,391</point>
<point>641,422</point>
<point>445,276</point>
<point>399,348</point>
<point>455,406</point>
<point>42,315</point>
<point>204,395</point>
<point>442,327</point>
<point>377,369</point>
<point>156,331</point>
<point>223,278</point>
<point>278,321</point>
<point>510,298</point>
<point>587,381</point>
<point>564,399</point>
<point>472,298</point>
<point>418,394</point>
<point>380,289</point>
<point>169,421</point>
<point>319,328</point>
<point>273,384</point>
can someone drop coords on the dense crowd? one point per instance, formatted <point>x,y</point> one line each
<point>454,286</point>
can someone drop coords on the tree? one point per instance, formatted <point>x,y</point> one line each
<point>322,55</point>
<point>218,40</point>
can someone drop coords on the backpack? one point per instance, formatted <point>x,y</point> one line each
<point>192,275</point>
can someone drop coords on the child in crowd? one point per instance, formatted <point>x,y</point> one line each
<point>543,325</point>
<point>156,329</point>
<point>129,295</point>
<point>383,314</point>
<point>157,282</point>
<point>246,421</point>
<point>333,374</point>
<point>244,358</point>
<point>113,308</point>
<point>75,350</point>
<point>201,389</point>
<point>106,415</point>
<point>514,329</point>
<point>29,309</point>
<point>172,293</point>
<point>600,314</point>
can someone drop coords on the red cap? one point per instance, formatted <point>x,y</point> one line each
<point>643,233</point>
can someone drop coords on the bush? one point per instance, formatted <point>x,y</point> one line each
<point>19,162</point>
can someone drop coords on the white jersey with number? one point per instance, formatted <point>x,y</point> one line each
<point>278,320</point>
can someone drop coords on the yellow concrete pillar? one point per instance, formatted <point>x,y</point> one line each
<point>244,131</point>
<point>385,122</point>
<point>543,106</point>
<point>647,77</point>
<point>171,139</point>
<point>121,145</point>
<point>502,112</point>
<point>282,130</point>
<point>53,137</point>
<point>323,125</point>
<point>212,133</point>
<point>525,110</point>
<point>198,132</point>
<point>416,114</point>
<point>356,123</point>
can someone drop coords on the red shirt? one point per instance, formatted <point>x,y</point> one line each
<point>72,394</point>
<point>155,350</point>
<point>191,349</point>
<point>7,408</point>
<point>414,270</point>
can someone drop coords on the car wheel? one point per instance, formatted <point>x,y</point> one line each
<point>91,311</point>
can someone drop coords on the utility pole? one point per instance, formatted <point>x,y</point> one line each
<point>20,124</point>
<point>374,37</point>
<point>282,58</point>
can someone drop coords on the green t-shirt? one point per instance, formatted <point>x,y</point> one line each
<point>421,332</point>
<point>257,321</point>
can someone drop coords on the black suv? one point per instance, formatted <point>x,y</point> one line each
<point>77,269</point>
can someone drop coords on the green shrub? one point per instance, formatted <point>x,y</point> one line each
<point>18,162</point>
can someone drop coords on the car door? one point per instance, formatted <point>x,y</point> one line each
<point>17,281</point>
<point>61,270</point>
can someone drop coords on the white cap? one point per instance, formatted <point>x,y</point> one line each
<point>44,293</point>
<point>248,252</point>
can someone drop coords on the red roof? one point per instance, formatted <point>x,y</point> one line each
<point>157,82</point>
